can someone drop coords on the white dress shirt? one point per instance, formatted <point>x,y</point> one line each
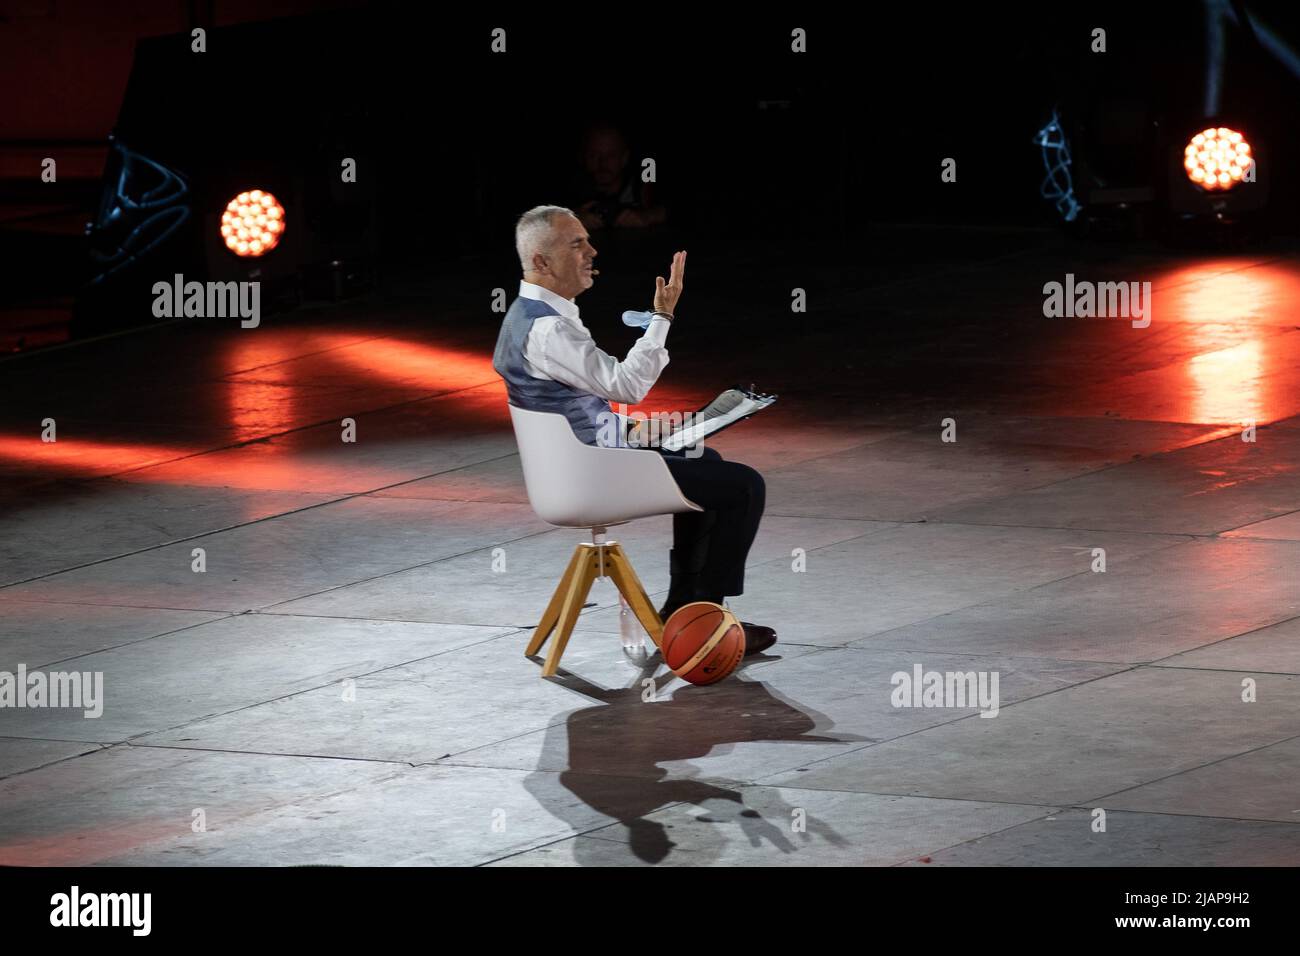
<point>561,348</point>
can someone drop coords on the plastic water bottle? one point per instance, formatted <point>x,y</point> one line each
<point>631,632</point>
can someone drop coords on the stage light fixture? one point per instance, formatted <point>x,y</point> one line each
<point>252,223</point>
<point>1216,159</point>
<point>1058,185</point>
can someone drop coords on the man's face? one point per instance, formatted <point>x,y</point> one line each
<point>605,156</point>
<point>570,257</point>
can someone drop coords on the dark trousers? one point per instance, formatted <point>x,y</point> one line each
<point>710,546</point>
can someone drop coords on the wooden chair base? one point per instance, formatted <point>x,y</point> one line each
<point>590,561</point>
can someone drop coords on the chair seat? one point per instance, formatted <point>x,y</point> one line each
<point>575,485</point>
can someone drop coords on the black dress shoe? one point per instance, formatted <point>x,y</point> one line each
<point>757,638</point>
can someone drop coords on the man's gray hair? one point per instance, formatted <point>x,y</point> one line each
<point>533,232</point>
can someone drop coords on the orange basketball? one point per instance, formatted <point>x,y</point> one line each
<point>703,642</point>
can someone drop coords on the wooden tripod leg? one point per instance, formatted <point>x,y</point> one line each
<point>620,569</point>
<point>576,596</point>
<point>552,613</point>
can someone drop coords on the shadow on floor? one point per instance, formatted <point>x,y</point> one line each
<point>613,749</point>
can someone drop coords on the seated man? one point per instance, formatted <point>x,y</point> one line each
<point>550,363</point>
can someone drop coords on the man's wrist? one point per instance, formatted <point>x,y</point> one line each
<point>662,314</point>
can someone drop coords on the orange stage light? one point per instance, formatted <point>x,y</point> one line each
<point>252,224</point>
<point>1217,158</point>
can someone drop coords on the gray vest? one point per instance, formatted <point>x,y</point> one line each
<point>586,412</point>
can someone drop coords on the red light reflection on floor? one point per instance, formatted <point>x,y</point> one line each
<point>84,847</point>
<point>1227,386</point>
<point>258,401</point>
<point>1245,368</point>
<point>435,368</point>
<point>277,385</point>
<point>81,457</point>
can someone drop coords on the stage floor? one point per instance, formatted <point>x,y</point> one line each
<point>345,682</point>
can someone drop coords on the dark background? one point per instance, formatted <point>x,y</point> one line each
<point>824,153</point>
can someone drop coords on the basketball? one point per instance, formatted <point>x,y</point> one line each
<point>703,642</point>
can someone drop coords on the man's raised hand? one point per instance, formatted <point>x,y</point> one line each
<point>667,293</point>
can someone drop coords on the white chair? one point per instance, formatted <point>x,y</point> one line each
<point>574,485</point>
